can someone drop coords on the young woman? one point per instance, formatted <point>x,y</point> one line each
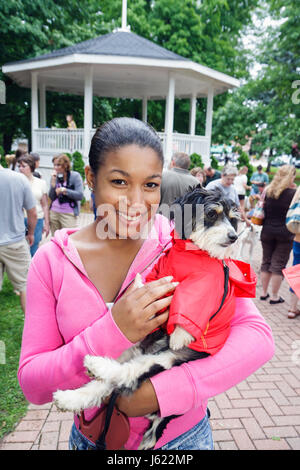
<point>276,240</point>
<point>26,165</point>
<point>77,302</point>
<point>66,192</point>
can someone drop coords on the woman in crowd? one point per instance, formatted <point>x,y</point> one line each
<point>200,174</point>
<point>293,311</point>
<point>66,192</point>
<point>78,302</point>
<point>276,240</point>
<point>26,165</point>
<point>240,184</point>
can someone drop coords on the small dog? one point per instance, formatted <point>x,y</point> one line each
<point>248,238</point>
<point>207,236</point>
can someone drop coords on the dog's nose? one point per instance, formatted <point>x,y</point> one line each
<point>232,237</point>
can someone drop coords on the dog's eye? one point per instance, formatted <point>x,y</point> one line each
<point>211,213</point>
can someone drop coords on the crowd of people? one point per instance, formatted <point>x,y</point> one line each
<point>58,206</point>
<point>79,299</point>
<point>277,242</point>
<point>29,209</point>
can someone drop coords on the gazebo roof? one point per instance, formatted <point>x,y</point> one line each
<point>124,65</point>
<point>119,43</point>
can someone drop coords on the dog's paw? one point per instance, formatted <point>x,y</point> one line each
<point>102,368</point>
<point>180,338</point>
<point>68,400</point>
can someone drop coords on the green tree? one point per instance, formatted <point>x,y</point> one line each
<point>264,108</point>
<point>208,32</point>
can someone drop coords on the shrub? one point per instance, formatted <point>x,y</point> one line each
<point>196,160</point>
<point>243,160</point>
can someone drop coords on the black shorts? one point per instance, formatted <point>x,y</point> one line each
<point>276,253</point>
<point>241,197</point>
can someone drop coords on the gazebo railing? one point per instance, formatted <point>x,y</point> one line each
<point>64,140</point>
<point>59,140</point>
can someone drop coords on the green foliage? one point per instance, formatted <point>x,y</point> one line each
<point>214,162</point>
<point>265,109</point>
<point>196,160</point>
<point>2,157</point>
<point>243,160</point>
<point>208,32</point>
<point>12,402</point>
<point>78,164</point>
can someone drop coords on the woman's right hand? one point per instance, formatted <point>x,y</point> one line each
<point>53,179</point>
<point>135,312</point>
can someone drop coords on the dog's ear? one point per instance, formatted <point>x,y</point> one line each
<point>184,210</point>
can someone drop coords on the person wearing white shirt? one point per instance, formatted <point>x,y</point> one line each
<point>39,189</point>
<point>240,184</point>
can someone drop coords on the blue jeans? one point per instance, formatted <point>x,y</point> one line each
<point>38,232</point>
<point>197,438</point>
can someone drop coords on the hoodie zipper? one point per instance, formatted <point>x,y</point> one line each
<point>126,287</point>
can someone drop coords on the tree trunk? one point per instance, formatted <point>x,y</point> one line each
<point>7,143</point>
<point>269,160</point>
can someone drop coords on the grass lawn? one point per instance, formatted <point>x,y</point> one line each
<point>12,402</point>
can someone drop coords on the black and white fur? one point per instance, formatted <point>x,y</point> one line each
<point>213,231</point>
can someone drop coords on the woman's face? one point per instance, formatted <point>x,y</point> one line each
<point>25,169</point>
<point>127,191</point>
<point>200,177</point>
<point>58,167</point>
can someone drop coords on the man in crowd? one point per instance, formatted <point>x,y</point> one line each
<point>16,195</point>
<point>211,174</point>
<point>225,184</point>
<point>176,181</point>
<point>257,179</point>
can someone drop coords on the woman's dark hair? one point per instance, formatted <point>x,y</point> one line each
<point>29,160</point>
<point>119,132</point>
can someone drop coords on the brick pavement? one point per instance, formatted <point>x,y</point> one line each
<point>261,413</point>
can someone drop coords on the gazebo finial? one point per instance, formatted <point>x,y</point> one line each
<point>124,16</point>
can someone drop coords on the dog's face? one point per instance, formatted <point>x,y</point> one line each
<point>210,220</point>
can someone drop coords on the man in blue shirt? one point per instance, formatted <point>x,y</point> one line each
<point>258,178</point>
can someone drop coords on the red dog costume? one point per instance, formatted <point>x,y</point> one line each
<point>196,302</point>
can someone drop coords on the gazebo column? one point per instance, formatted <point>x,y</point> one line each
<point>193,107</point>
<point>42,101</point>
<point>209,116</point>
<point>34,110</point>
<point>88,109</point>
<point>145,109</point>
<point>169,118</point>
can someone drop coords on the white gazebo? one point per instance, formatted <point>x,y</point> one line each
<point>121,65</point>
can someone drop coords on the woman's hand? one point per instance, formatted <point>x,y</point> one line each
<point>135,312</point>
<point>53,179</point>
<point>60,190</point>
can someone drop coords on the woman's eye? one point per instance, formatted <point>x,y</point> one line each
<point>119,182</point>
<point>152,185</point>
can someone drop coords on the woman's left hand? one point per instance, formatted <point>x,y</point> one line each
<point>60,190</point>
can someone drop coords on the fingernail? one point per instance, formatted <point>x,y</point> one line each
<point>175,283</point>
<point>168,278</point>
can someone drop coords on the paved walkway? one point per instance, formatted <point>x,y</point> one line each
<point>263,412</point>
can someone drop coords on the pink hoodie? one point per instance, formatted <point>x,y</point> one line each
<point>66,319</point>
